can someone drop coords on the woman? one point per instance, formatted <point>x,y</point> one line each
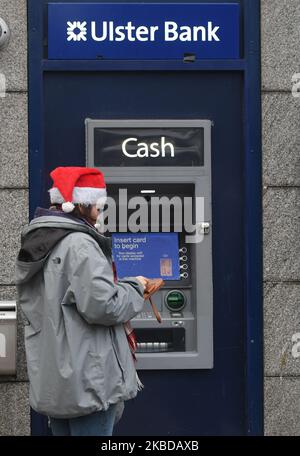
<point>79,354</point>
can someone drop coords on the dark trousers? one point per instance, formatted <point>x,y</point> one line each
<point>96,424</point>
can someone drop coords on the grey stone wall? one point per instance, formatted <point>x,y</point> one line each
<point>281,180</point>
<point>14,407</point>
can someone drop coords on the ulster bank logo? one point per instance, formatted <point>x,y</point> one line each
<point>76,31</point>
<point>170,31</point>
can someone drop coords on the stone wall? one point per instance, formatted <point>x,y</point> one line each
<point>14,407</point>
<point>281,180</point>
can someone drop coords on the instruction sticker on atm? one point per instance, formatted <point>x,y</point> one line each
<point>153,255</point>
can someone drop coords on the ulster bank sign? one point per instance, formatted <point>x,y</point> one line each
<point>88,31</point>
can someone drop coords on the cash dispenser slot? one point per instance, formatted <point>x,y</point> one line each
<point>155,340</point>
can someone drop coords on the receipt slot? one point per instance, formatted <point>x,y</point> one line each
<point>158,174</point>
<point>8,337</point>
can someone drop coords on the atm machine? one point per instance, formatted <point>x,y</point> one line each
<point>158,175</point>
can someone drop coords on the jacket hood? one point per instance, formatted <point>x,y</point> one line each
<point>40,237</point>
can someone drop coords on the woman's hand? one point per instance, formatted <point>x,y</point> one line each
<point>142,280</point>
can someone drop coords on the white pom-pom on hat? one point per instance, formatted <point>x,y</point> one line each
<point>68,207</point>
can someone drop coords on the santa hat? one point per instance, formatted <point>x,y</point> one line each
<point>76,185</point>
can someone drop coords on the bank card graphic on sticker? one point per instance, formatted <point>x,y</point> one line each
<point>153,255</point>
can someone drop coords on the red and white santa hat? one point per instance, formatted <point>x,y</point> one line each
<point>77,185</point>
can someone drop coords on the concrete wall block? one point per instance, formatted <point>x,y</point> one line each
<point>282,329</point>
<point>281,234</point>
<point>13,59</point>
<point>280,36</point>
<point>13,216</point>
<point>282,406</point>
<point>281,139</point>
<point>15,411</point>
<point>13,141</point>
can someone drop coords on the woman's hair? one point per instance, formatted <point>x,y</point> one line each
<point>82,212</point>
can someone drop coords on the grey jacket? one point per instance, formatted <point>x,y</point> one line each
<point>78,357</point>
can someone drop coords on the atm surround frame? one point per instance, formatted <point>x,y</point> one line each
<point>249,65</point>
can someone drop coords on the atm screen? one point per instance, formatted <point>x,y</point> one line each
<point>153,255</point>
